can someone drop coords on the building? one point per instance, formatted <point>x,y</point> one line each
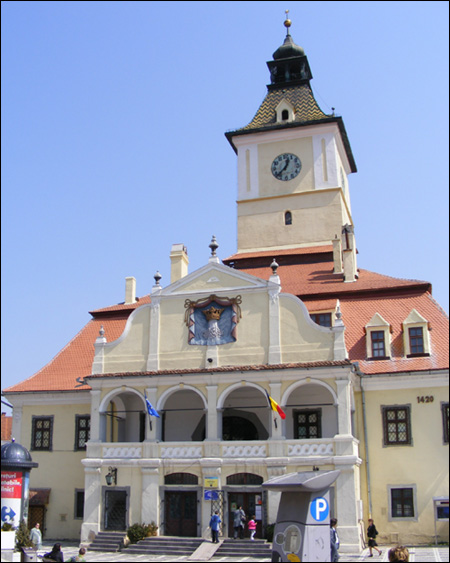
<point>358,362</point>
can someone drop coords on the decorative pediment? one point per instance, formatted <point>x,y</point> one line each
<point>377,321</point>
<point>285,111</point>
<point>414,317</point>
<point>213,278</point>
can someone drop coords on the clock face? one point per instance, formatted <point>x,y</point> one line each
<point>286,167</point>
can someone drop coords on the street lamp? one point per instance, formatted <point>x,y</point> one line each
<point>111,477</point>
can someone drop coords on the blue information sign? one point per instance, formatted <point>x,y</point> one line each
<point>211,495</point>
<point>319,509</point>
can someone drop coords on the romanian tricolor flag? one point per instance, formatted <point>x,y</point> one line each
<point>275,406</point>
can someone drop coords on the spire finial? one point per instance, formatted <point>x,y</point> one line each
<point>287,21</point>
<point>213,246</point>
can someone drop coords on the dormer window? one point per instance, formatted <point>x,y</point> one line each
<point>285,112</point>
<point>378,338</point>
<point>416,335</point>
<point>288,218</point>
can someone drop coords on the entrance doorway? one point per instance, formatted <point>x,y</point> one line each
<point>252,505</point>
<point>180,513</point>
<point>115,510</point>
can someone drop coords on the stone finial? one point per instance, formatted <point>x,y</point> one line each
<point>274,267</point>
<point>213,246</point>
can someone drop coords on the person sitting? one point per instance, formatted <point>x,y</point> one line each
<point>399,553</point>
<point>55,554</point>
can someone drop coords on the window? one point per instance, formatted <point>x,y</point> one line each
<point>244,479</point>
<point>285,115</point>
<point>42,432</point>
<point>288,218</point>
<point>307,424</point>
<point>445,421</point>
<point>322,319</point>
<point>378,347</point>
<point>416,340</point>
<point>397,426</point>
<point>82,431</point>
<point>79,504</point>
<point>181,479</point>
<point>402,503</point>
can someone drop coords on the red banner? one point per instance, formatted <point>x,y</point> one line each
<point>12,484</point>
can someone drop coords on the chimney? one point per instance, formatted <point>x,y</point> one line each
<point>179,262</point>
<point>349,253</point>
<point>337,255</point>
<point>130,290</point>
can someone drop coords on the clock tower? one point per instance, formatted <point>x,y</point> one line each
<point>293,164</point>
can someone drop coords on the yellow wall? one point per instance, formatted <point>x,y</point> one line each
<point>424,464</point>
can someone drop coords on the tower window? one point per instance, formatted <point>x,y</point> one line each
<point>285,115</point>
<point>288,218</point>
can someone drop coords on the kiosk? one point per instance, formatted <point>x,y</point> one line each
<point>302,530</point>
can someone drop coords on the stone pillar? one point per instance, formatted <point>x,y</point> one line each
<point>344,406</point>
<point>95,434</point>
<point>274,324</point>
<point>273,497</point>
<point>155,313</point>
<point>212,426</point>
<point>347,499</point>
<point>277,432</point>
<point>152,435</point>
<point>92,502</point>
<point>150,495</point>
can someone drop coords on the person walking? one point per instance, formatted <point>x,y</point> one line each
<point>252,527</point>
<point>36,536</point>
<point>214,524</point>
<point>238,523</point>
<point>372,534</point>
<point>334,540</point>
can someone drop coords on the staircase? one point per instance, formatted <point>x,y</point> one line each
<point>245,548</point>
<point>107,541</point>
<point>165,545</point>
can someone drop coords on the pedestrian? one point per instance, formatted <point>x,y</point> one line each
<point>214,524</point>
<point>55,554</point>
<point>36,536</point>
<point>252,527</point>
<point>334,540</point>
<point>372,534</point>
<point>79,557</point>
<point>399,553</point>
<point>238,523</point>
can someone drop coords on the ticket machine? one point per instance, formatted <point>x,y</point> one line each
<point>302,530</point>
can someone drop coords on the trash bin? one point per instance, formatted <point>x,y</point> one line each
<point>29,554</point>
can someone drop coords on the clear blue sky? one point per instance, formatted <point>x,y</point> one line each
<point>113,147</point>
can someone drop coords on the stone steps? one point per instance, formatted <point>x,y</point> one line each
<point>165,545</point>
<point>244,548</point>
<point>107,541</point>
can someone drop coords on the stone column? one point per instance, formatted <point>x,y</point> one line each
<point>152,435</point>
<point>92,502</point>
<point>211,415</point>
<point>344,406</point>
<point>150,495</point>
<point>347,499</point>
<point>95,434</point>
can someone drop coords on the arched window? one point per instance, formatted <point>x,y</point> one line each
<point>181,479</point>
<point>288,218</point>
<point>285,115</point>
<point>244,479</point>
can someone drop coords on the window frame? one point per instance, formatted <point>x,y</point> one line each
<point>445,422</point>
<point>314,315</point>
<point>76,501</point>
<point>34,420</point>
<point>414,337</point>
<point>376,356</point>
<point>401,487</point>
<point>78,418</point>
<point>384,410</point>
<point>297,412</point>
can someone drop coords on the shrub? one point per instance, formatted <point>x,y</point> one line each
<point>138,532</point>
<point>23,536</point>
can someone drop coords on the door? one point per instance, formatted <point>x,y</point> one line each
<point>36,514</point>
<point>115,510</point>
<point>252,505</point>
<point>180,513</point>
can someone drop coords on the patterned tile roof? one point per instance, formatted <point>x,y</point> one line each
<point>302,99</point>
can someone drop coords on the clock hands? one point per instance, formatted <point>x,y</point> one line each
<point>286,164</point>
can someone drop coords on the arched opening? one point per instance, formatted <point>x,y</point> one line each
<point>183,417</point>
<point>123,418</point>
<point>181,479</point>
<point>288,218</point>
<point>313,412</point>
<point>244,490</point>
<point>285,115</point>
<point>245,415</point>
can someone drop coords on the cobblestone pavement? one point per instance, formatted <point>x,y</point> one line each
<point>419,554</point>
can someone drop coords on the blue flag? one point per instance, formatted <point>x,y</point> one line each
<point>151,411</point>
